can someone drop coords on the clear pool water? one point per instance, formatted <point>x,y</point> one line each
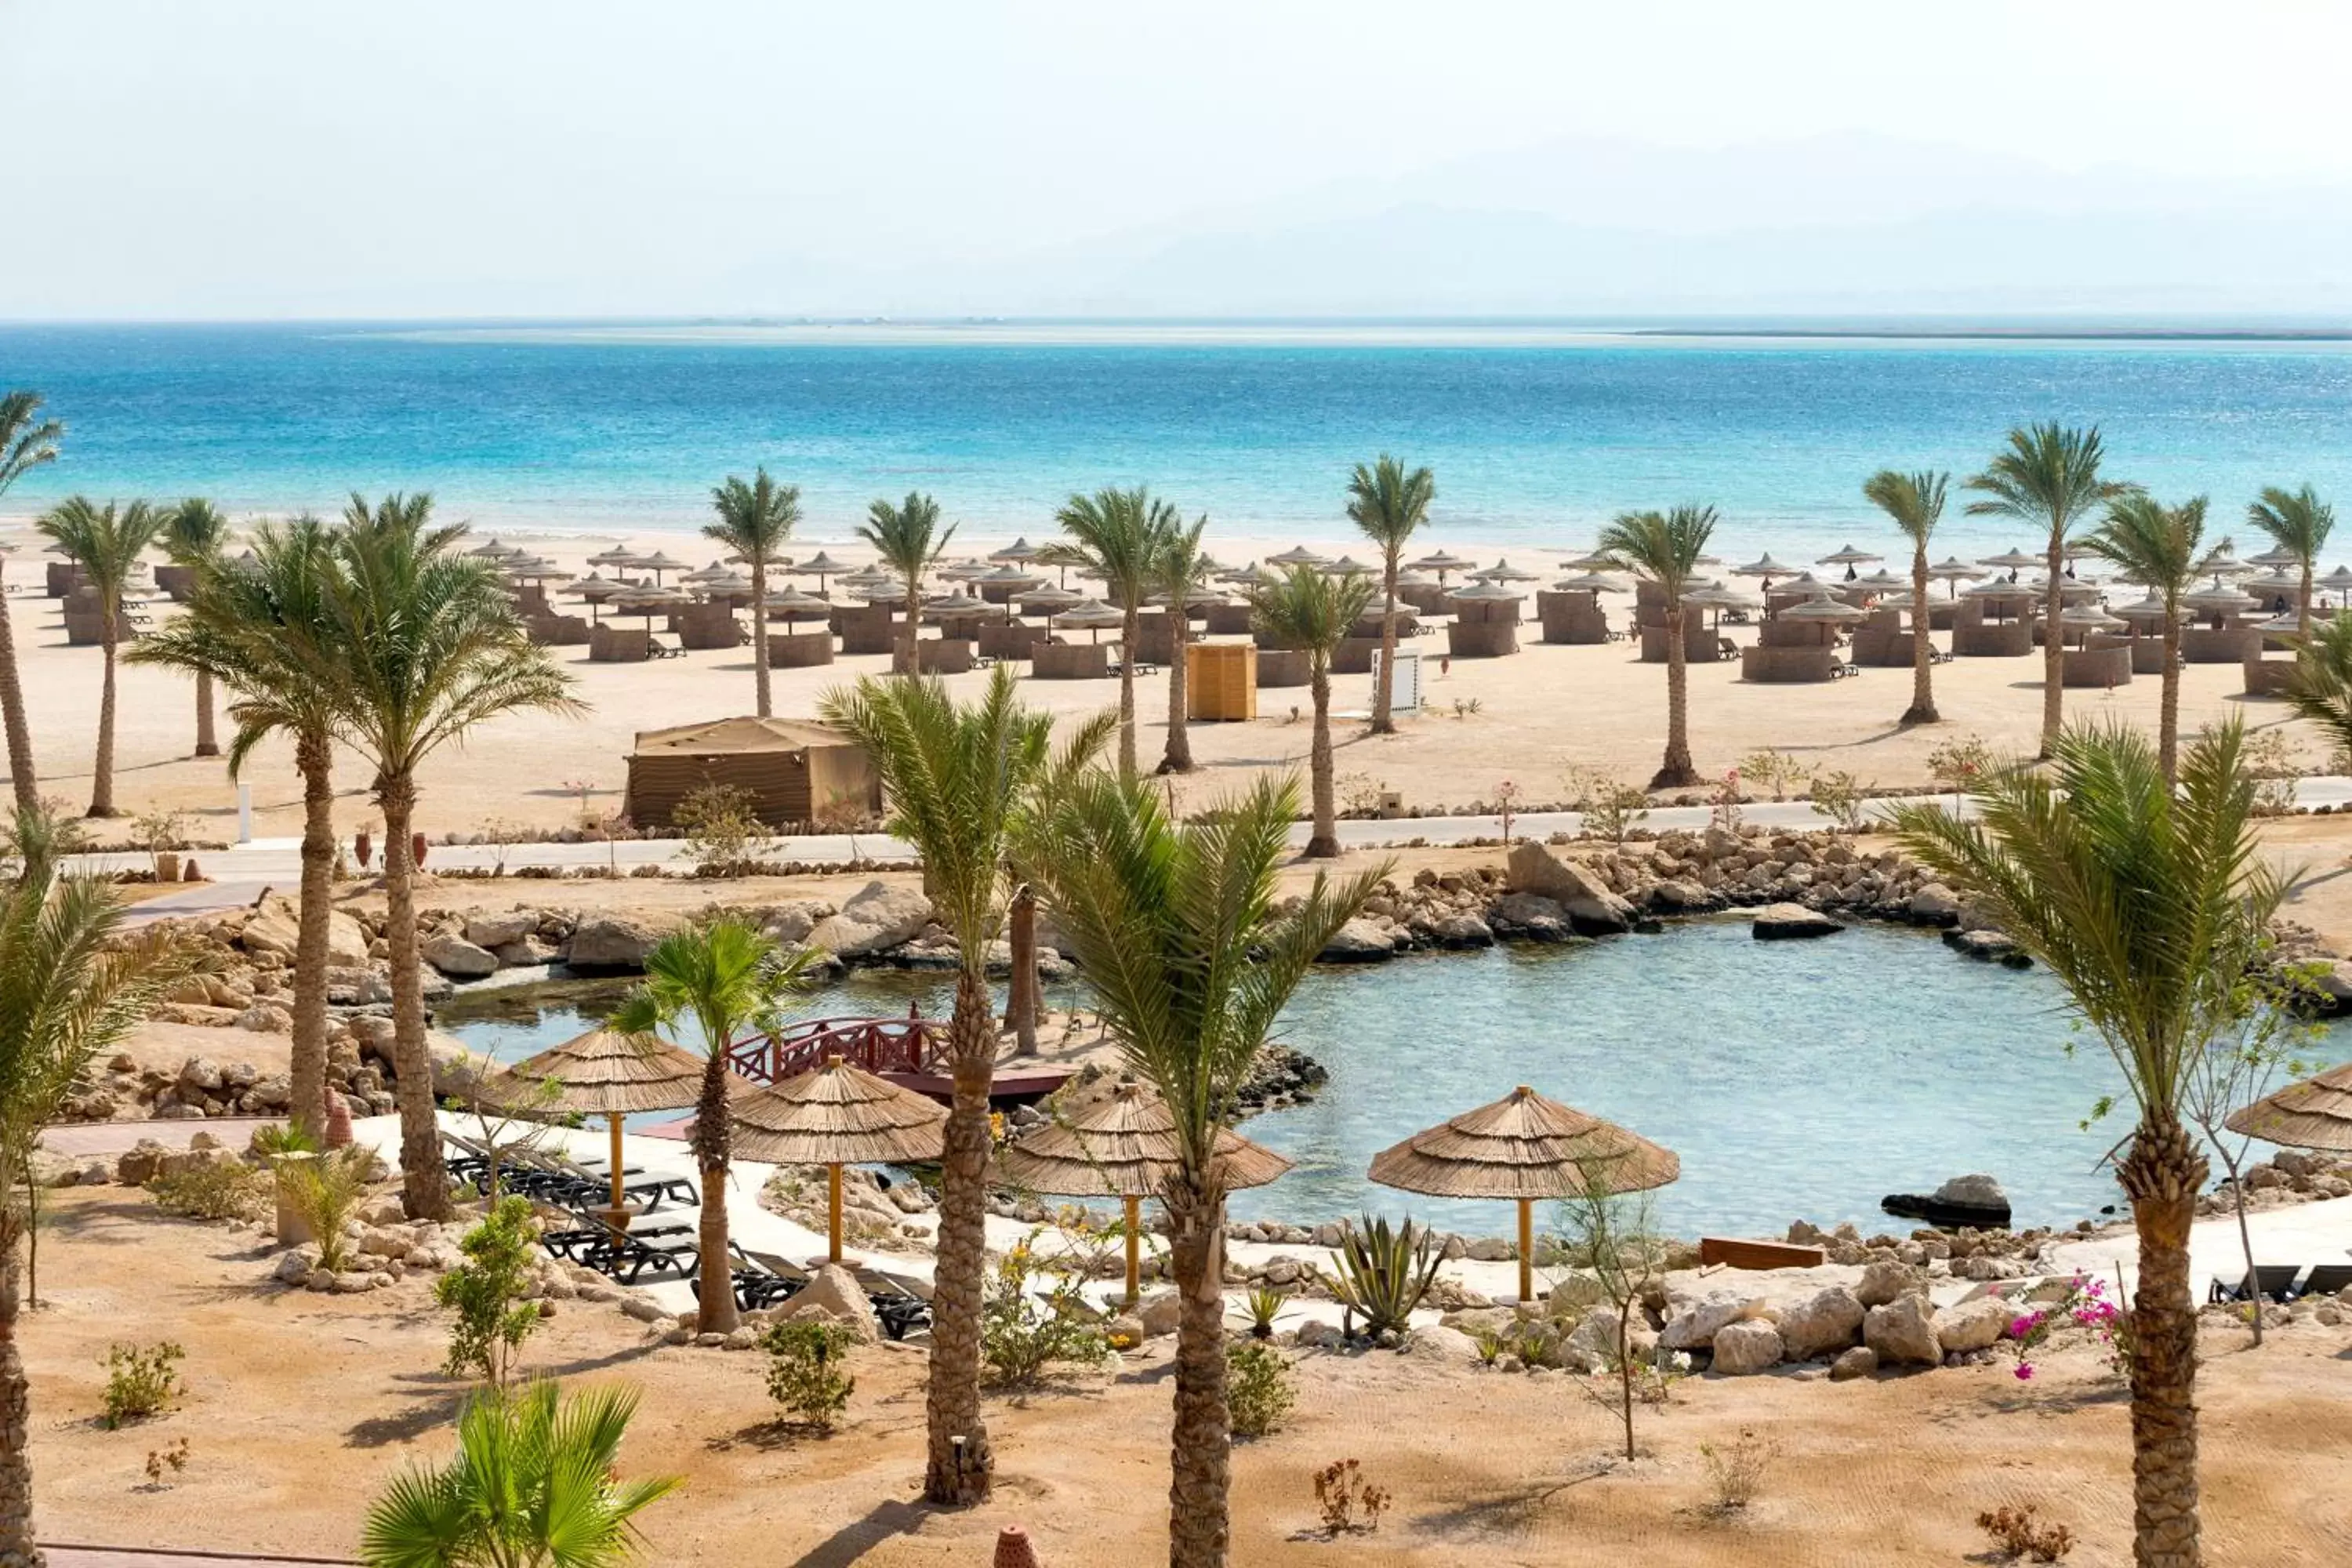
<point>1794,1079</point>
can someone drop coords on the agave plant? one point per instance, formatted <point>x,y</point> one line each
<point>1384,1272</point>
<point>1265,1304</point>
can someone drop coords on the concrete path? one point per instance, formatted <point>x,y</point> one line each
<point>158,1557</point>
<point>94,1140</point>
<point>2305,1233</point>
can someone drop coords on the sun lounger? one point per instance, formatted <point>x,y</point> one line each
<point>627,1255</point>
<point>2325,1279</point>
<point>900,1304</point>
<point>2274,1281</point>
<point>650,1190</point>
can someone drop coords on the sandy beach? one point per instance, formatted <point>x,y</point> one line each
<point>1528,719</point>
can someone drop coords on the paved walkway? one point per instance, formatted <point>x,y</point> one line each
<point>157,1557</point>
<point>92,1140</point>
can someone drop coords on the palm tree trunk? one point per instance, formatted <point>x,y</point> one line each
<point>1676,770</point>
<point>759,634</point>
<point>424,1181</point>
<point>2168,713</point>
<point>1021,996</point>
<point>1178,756</point>
<point>2054,646</point>
<point>314,758</point>
<point>207,745</point>
<point>904,660</point>
<point>1323,842</point>
<point>1923,651</point>
<point>18,1549</point>
<point>715,1311</point>
<point>20,736</point>
<point>959,1465</point>
<point>101,783</point>
<point>1128,634</point>
<point>2302,605</point>
<point>1200,1449</point>
<point>1383,719</point>
<point>2162,1175</point>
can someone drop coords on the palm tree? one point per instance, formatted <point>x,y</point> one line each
<point>2299,523</point>
<point>106,542</point>
<point>1388,504</point>
<point>1916,502</point>
<point>1115,535</point>
<point>909,540</point>
<point>962,780</point>
<point>262,630</point>
<point>23,446</point>
<point>1308,611</point>
<point>2049,477</point>
<point>754,522</point>
<point>724,979</point>
<point>1176,929</point>
<point>195,534</point>
<point>430,649</point>
<point>2321,688</point>
<point>2152,907</point>
<point>1180,571</point>
<point>70,991</point>
<point>1664,547</point>
<point>2155,545</point>
<point>534,1484</point>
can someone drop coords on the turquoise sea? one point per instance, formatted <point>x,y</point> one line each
<point>1536,432</point>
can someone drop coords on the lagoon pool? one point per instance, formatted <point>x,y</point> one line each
<point>1803,1079</point>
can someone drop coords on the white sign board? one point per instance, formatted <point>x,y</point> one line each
<point>1404,691</point>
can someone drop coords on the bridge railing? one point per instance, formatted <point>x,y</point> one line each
<point>878,1044</point>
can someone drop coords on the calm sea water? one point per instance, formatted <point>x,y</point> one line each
<point>1534,437</point>
<point>1794,1079</point>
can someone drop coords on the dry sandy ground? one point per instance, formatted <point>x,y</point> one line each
<point>299,1405</point>
<point>1539,713</point>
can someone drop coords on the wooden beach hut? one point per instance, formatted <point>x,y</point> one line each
<point>794,769</point>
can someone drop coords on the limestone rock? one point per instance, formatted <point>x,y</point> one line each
<point>1974,1325</point>
<point>832,1292</point>
<point>1439,1342</point>
<point>1788,923</point>
<point>1361,941</point>
<point>1527,917</point>
<point>1696,1326</point>
<point>490,931</point>
<point>294,1268</point>
<point>1320,1335</point>
<point>1902,1331</point>
<point>1593,908</point>
<point>1746,1347</point>
<point>644,1309</point>
<point>272,929</point>
<point>1884,1280</point>
<point>1159,1312</point>
<point>611,941</point>
<point>877,918</point>
<point>790,924</point>
<point>1462,930</point>
<point>1935,904</point>
<point>265,1018</point>
<point>1825,1321</point>
<point>1859,1362</point>
<point>1676,896</point>
<point>460,958</point>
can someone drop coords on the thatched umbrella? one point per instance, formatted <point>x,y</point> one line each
<point>1125,1148</point>
<point>1524,1147</point>
<point>2314,1114</point>
<point>1094,616</point>
<point>1847,556</point>
<point>832,1116</point>
<point>602,1073</point>
<point>794,603</point>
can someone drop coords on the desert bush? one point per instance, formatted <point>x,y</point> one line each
<point>325,1191</point>
<point>1358,794</point>
<point>1776,771</point>
<point>2016,1534</point>
<point>807,1362</point>
<point>1841,797</point>
<point>141,1383</point>
<point>1958,764</point>
<point>1384,1272</point>
<point>171,1459</point>
<point>1260,1387</point>
<point>1347,1500</point>
<point>1735,1470</point>
<point>1611,806</point>
<point>222,1189</point>
<point>1020,1336</point>
<point>487,1294</point>
<point>723,830</point>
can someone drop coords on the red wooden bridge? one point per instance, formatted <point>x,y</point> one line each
<point>911,1052</point>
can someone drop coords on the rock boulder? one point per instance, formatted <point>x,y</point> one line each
<point>877,918</point>
<point>1974,1325</point>
<point>611,942</point>
<point>1746,1347</point>
<point>832,1292</point>
<point>1902,1332</point>
<point>1828,1320</point>
<point>1593,909</point>
<point>1790,922</point>
<point>460,958</point>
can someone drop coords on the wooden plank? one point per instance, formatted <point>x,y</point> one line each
<point>1738,1253</point>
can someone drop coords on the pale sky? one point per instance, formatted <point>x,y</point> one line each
<point>197,158</point>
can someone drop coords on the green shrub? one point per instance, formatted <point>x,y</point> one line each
<point>1841,797</point>
<point>723,830</point>
<point>807,1369</point>
<point>227,1189</point>
<point>1384,1272</point>
<point>282,1138</point>
<point>486,1293</point>
<point>1260,1387</point>
<point>1020,1336</point>
<point>141,1383</point>
<point>325,1191</point>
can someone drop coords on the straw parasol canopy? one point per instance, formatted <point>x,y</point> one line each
<point>1806,585</point>
<point>1124,1147</point>
<point>1847,555</point>
<point>1445,560</point>
<point>795,603</point>
<point>1590,583</point>
<point>1037,601</point>
<point>832,1116</point>
<point>2222,563</point>
<point>705,575</point>
<point>1009,574</point>
<point>619,555</point>
<point>2275,557</point>
<point>1345,566</point>
<point>1019,552</point>
<point>2219,601</point>
<point>1765,566</point>
<point>602,1073</point>
<point>1832,610</point>
<point>1092,614</point>
<point>1592,560</point>
<point>2337,582</point>
<point>961,571</point>
<point>1504,571</point>
<point>2314,1114</point>
<point>1483,592</point>
<point>594,589</point>
<point>1246,574</point>
<point>1881,580</point>
<point>1524,1148</point>
<point>1298,555</point>
<point>658,563</point>
<point>488,550</point>
<point>2011,560</point>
